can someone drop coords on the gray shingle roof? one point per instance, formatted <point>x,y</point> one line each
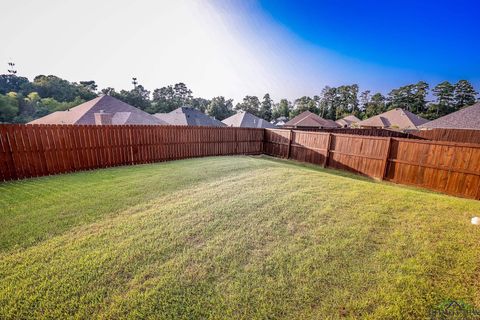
<point>121,112</point>
<point>466,118</point>
<point>247,120</point>
<point>347,121</point>
<point>185,116</point>
<point>395,118</point>
<point>310,120</point>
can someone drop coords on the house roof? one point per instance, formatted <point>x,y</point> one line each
<point>247,120</point>
<point>466,118</point>
<point>310,119</point>
<point>395,118</point>
<point>185,116</point>
<point>121,112</point>
<point>347,121</point>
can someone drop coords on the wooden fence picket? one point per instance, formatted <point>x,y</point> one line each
<point>37,150</point>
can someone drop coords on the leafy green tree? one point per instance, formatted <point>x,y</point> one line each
<point>347,100</point>
<point>59,89</point>
<point>200,104</point>
<point>304,104</point>
<point>164,100</point>
<point>411,97</point>
<point>266,108</point>
<point>12,83</point>
<point>30,104</point>
<point>249,104</point>
<point>49,105</point>
<point>420,96</point>
<point>169,98</point>
<point>90,85</point>
<point>220,108</point>
<point>464,94</point>
<point>138,97</point>
<point>109,91</point>
<point>282,109</point>
<point>444,93</point>
<point>375,105</point>
<point>328,103</point>
<point>8,108</point>
<point>182,94</point>
<point>364,99</point>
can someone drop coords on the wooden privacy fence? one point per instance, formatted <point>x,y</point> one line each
<point>453,135</point>
<point>38,150</point>
<point>452,168</point>
<point>362,132</point>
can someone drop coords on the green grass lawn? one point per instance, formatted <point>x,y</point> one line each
<point>232,238</point>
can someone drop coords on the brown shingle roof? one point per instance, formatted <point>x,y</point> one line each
<point>466,118</point>
<point>121,113</point>
<point>311,120</point>
<point>247,120</point>
<point>185,116</point>
<point>395,118</point>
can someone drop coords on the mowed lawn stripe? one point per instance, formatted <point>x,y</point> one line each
<point>275,240</point>
<point>36,209</point>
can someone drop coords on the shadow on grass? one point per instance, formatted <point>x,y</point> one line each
<point>346,174</point>
<point>287,162</point>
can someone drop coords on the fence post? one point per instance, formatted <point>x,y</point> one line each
<point>9,151</point>
<point>327,154</point>
<point>289,143</point>
<point>387,156</point>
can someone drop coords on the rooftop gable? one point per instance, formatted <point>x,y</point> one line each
<point>395,118</point>
<point>185,116</point>
<point>122,113</point>
<point>310,119</point>
<point>247,120</point>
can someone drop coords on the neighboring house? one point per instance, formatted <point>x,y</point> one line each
<point>466,118</point>
<point>309,120</point>
<point>348,121</point>
<point>103,110</point>
<point>247,120</point>
<point>279,121</point>
<point>185,116</point>
<point>396,119</point>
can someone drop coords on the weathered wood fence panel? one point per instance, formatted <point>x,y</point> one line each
<point>452,168</point>
<point>443,166</point>
<point>453,135</point>
<point>39,150</point>
<point>376,132</point>
<point>360,154</point>
<point>309,147</point>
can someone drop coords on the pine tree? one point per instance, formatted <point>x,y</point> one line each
<point>444,92</point>
<point>464,94</point>
<point>266,108</point>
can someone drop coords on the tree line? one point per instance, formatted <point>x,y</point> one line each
<point>22,100</point>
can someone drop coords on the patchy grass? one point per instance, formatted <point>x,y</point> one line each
<point>231,237</point>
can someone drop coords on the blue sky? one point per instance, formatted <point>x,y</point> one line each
<point>440,38</point>
<point>239,47</point>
